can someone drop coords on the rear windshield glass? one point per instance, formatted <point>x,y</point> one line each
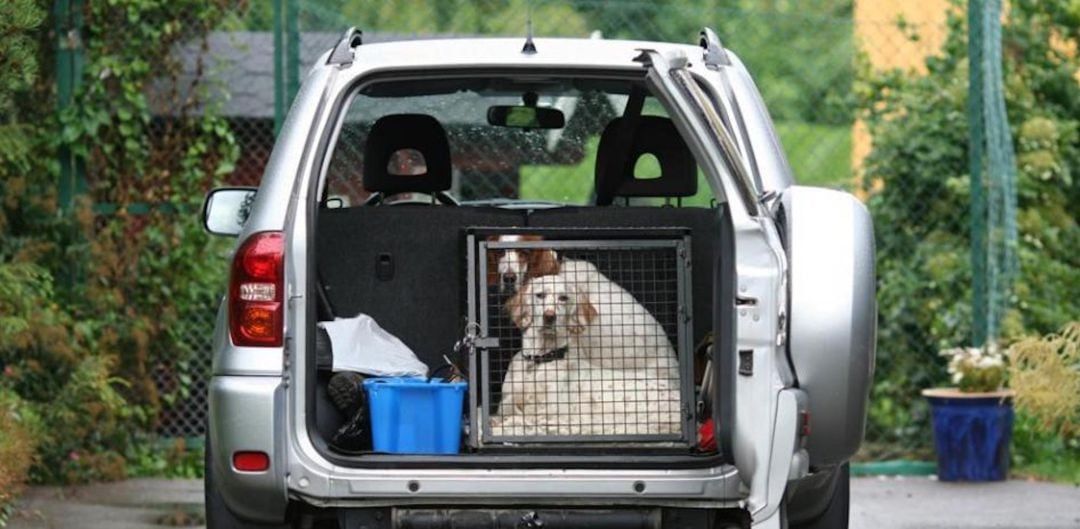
<point>509,141</point>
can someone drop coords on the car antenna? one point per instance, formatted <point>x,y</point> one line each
<point>529,47</point>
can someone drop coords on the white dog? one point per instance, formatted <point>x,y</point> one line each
<point>623,333</point>
<point>553,388</point>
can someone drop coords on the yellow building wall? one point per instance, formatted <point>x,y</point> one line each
<point>879,37</point>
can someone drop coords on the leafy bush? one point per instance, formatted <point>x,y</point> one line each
<point>87,426</point>
<point>170,458</point>
<point>917,175</point>
<point>92,304</point>
<point>43,351</point>
<point>53,364</point>
<point>1045,373</point>
<point>18,439</point>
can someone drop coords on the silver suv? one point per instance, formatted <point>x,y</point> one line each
<point>600,240</point>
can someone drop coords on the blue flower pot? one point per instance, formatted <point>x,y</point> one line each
<point>972,432</point>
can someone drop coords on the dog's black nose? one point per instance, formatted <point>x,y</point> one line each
<point>509,278</point>
<point>549,318</point>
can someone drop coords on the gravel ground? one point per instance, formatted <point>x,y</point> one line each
<point>877,503</point>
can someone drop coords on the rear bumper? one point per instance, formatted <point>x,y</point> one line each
<point>244,415</point>
<point>387,487</point>
<point>527,518</point>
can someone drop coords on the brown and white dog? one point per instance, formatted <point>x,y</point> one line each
<point>552,388</point>
<point>511,267</point>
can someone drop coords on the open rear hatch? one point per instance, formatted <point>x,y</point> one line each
<point>596,358</point>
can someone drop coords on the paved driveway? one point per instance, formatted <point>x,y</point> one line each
<point>924,503</point>
<point>877,503</point>
<point>132,504</point>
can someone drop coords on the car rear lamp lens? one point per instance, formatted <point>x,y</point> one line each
<point>251,461</point>
<point>262,255</point>
<point>260,324</point>
<point>255,291</point>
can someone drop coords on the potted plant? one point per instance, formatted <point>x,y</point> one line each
<point>973,421</point>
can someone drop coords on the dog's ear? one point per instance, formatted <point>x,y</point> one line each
<point>542,262</point>
<point>517,307</point>
<point>584,312</point>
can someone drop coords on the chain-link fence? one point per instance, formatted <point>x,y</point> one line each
<point>804,57</point>
<point>183,378</point>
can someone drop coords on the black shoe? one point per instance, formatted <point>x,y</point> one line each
<point>355,435</point>
<point>346,392</point>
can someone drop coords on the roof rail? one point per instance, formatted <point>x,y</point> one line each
<point>343,51</point>
<point>715,54</point>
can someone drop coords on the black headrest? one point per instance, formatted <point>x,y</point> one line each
<point>396,132</point>
<point>657,136</point>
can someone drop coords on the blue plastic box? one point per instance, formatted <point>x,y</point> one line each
<point>415,416</point>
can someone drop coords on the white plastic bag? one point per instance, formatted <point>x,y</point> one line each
<point>359,344</point>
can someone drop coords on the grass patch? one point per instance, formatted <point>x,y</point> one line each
<point>569,184</point>
<point>1059,469</point>
<point>1042,455</point>
<point>820,155</point>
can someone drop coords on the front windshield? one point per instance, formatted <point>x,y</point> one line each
<point>496,162</point>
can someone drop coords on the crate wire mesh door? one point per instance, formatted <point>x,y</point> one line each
<point>593,348</point>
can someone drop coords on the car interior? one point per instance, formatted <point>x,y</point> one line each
<point>413,175</point>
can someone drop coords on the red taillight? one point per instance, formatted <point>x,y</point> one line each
<point>707,436</point>
<point>255,291</point>
<point>250,461</point>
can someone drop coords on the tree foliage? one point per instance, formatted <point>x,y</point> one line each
<point>800,52</point>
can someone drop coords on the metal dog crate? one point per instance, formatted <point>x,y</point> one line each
<point>616,382</point>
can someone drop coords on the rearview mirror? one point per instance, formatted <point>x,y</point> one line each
<point>526,117</point>
<point>227,209</point>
